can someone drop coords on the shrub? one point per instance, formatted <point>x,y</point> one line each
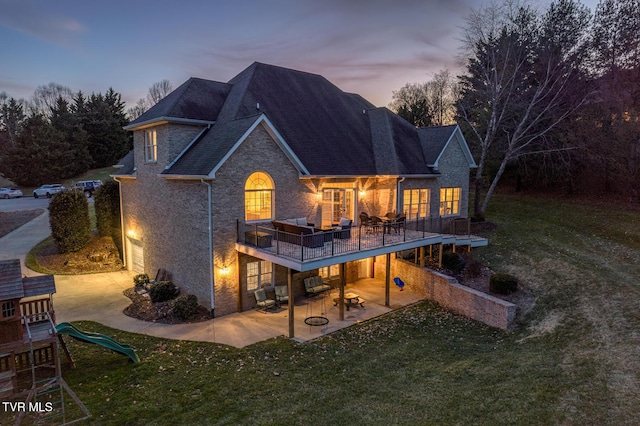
<point>473,268</point>
<point>69,220</point>
<point>186,307</point>
<point>503,283</point>
<point>162,291</point>
<point>141,280</point>
<point>107,205</point>
<point>453,261</point>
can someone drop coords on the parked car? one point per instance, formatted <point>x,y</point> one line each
<point>48,190</point>
<point>87,186</point>
<point>7,193</point>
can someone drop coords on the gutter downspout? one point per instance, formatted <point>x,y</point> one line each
<point>398,204</point>
<point>124,246</point>
<point>209,189</point>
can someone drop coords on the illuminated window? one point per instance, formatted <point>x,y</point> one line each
<point>258,197</point>
<point>8,309</point>
<point>150,146</point>
<point>329,272</point>
<point>259,275</point>
<point>450,201</point>
<point>415,203</point>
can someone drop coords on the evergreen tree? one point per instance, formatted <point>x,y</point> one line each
<point>103,120</point>
<point>67,123</point>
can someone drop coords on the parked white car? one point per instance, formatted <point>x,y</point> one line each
<point>48,190</point>
<point>7,193</point>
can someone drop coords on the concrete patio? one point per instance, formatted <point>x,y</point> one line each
<point>99,297</point>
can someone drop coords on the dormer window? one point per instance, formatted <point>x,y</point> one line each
<point>150,146</point>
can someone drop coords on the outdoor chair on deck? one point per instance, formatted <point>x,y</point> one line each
<point>399,223</point>
<point>262,301</point>
<point>282,294</point>
<point>366,222</point>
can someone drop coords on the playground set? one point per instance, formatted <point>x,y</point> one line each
<point>29,342</point>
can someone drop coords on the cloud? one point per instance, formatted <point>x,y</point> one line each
<point>28,17</point>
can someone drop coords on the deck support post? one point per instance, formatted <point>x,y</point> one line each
<point>290,303</point>
<point>422,257</point>
<point>387,280</point>
<point>341,295</point>
<point>440,256</point>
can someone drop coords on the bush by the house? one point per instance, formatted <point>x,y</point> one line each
<point>141,281</point>
<point>107,205</point>
<point>453,261</point>
<point>69,220</point>
<point>186,307</point>
<point>503,283</point>
<point>162,291</point>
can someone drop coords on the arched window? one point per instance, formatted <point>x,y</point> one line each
<point>258,197</point>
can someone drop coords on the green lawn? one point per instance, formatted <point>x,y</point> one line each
<point>573,359</point>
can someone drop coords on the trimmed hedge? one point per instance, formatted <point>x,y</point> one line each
<point>107,205</point>
<point>162,291</point>
<point>453,261</point>
<point>503,283</point>
<point>69,220</point>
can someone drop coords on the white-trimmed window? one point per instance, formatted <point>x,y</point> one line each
<point>450,201</point>
<point>150,146</point>
<point>259,275</point>
<point>415,203</point>
<point>258,197</point>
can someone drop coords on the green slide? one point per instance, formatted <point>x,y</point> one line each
<point>98,339</point>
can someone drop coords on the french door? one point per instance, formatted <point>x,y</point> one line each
<point>337,203</point>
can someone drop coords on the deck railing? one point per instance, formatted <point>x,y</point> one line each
<point>341,241</point>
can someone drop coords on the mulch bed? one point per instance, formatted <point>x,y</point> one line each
<point>141,308</point>
<point>100,255</point>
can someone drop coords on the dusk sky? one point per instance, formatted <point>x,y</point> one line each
<point>370,47</point>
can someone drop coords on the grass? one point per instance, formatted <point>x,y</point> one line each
<point>571,361</point>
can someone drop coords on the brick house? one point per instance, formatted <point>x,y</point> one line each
<point>215,164</point>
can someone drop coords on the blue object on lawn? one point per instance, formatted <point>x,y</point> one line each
<point>399,283</point>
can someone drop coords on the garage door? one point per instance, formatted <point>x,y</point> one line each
<point>137,257</point>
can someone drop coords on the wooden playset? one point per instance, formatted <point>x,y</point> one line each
<point>28,338</point>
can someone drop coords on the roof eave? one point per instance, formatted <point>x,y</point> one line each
<point>164,120</point>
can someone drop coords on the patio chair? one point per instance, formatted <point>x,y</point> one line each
<point>282,294</point>
<point>399,223</point>
<point>366,222</point>
<point>262,301</point>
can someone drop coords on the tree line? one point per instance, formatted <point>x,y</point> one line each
<point>548,98</point>
<point>58,134</point>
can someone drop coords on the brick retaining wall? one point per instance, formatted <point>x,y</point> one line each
<point>456,297</point>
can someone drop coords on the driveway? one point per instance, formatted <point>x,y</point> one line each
<point>17,244</point>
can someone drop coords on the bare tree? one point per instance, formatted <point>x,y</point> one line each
<point>520,82</point>
<point>427,104</point>
<point>45,98</point>
<point>157,91</point>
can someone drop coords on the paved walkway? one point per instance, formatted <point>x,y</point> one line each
<point>100,298</point>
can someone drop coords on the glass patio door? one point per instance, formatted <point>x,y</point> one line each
<point>336,203</point>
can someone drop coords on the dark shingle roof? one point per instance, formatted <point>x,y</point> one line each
<point>14,286</point>
<point>36,286</point>
<point>195,99</point>
<point>10,280</point>
<point>434,140</point>
<point>331,132</point>
<point>126,165</point>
